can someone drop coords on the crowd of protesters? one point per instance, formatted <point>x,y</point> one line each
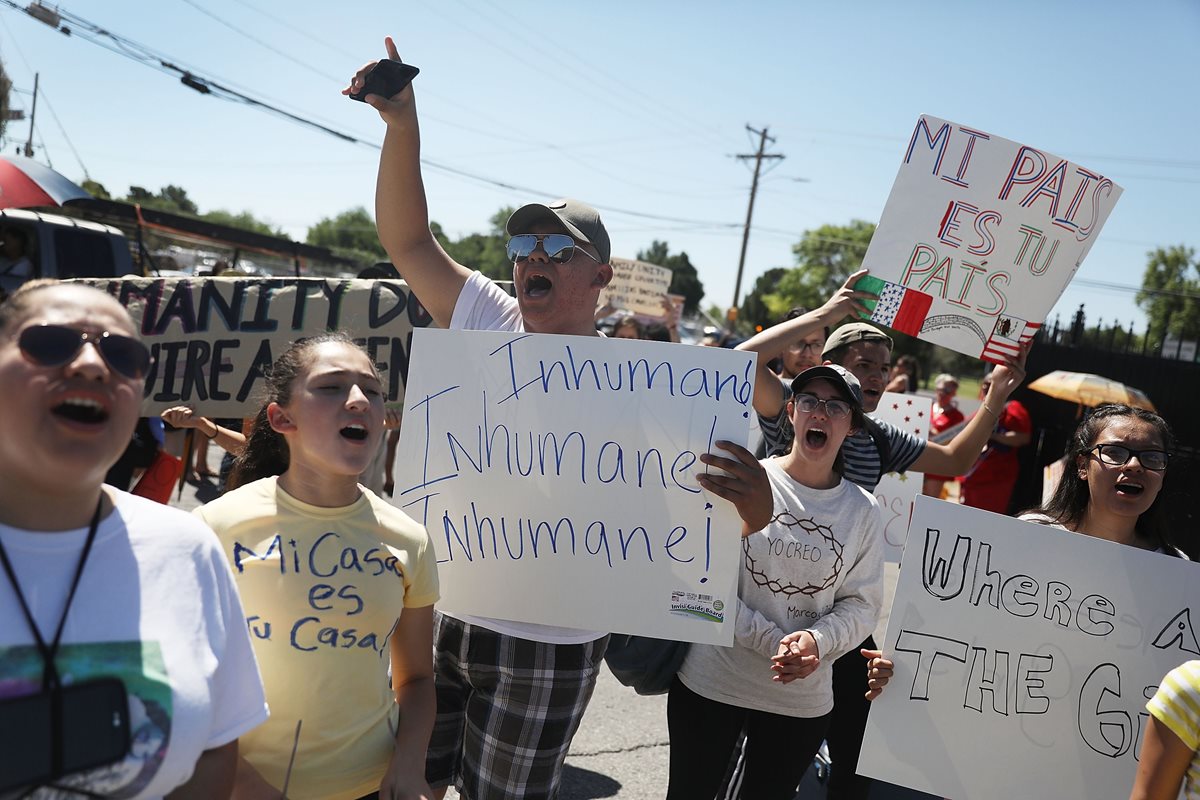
<point>152,632</point>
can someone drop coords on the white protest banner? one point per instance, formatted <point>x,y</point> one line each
<point>896,492</point>
<point>556,476</point>
<point>637,287</point>
<point>1024,658</point>
<point>979,237</point>
<point>213,338</point>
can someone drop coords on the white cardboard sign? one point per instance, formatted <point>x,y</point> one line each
<point>1024,658</point>
<point>896,492</point>
<point>556,476</point>
<point>637,287</point>
<point>979,237</point>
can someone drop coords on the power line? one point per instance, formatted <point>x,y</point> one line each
<point>260,42</point>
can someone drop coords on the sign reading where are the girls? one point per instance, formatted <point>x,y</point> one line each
<point>979,237</point>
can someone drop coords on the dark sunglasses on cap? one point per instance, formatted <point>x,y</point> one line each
<point>54,345</point>
<point>559,247</point>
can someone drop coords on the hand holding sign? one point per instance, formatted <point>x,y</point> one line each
<point>745,485</point>
<point>879,672</point>
<point>852,298</point>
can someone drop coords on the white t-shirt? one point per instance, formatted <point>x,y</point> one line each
<point>156,607</point>
<point>484,306</point>
<point>818,566</point>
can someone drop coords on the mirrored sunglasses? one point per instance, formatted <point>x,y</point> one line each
<point>834,408</point>
<point>55,345</point>
<point>1118,455</point>
<point>558,247</point>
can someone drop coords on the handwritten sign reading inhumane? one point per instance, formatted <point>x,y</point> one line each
<point>979,237</point>
<point>556,476</point>
<point>637,287</point>
<point>213,339</point>
<point>896,492</point>
<point>1024,658</point>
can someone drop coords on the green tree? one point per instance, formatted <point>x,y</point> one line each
<point>5,104</point>
<point>754,309</point>
<point>245,220</point>
<point>95,189</point>
<point>172,199</point>
<point>684,278</point>
<point>1170,293</point>
<point>486,252</point>
<point>825,257</point>
<point>351,234</point>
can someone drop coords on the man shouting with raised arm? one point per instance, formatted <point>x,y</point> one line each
<point>510,695</point>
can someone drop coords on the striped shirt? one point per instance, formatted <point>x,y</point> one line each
<point>1177,705</point>
<point>861,455</point>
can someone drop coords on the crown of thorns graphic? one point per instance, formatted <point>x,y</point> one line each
<point>789,520</point>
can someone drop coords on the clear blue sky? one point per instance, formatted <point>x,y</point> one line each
<point>635,107</point>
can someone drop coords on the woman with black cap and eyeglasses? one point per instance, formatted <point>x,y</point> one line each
<point>125,663</point>
<point>810,589</point>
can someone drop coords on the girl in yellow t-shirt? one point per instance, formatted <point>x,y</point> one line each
<point>335,582</point>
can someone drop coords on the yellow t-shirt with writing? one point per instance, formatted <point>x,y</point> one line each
<point>322,589</point>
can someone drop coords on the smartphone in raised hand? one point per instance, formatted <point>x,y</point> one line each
<point>386,79</point>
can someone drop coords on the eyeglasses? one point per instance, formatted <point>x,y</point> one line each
<point>800,347</point>
<point>55,345</point>
<point>559,247</point>
<point>1118,455</point>
<point>834,408</point>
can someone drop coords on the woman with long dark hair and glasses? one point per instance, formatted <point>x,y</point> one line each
<point>1116,462</point>
<point>125,664</point>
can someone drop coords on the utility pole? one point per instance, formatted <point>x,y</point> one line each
<point>32,115</point>
<point>758,159</point>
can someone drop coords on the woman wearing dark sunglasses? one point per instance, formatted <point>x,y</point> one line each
<point>119,610</point>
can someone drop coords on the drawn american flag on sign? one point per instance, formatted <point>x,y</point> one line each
<point>1008,336</point>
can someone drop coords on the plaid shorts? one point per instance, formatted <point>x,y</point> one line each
<point>507,709</point>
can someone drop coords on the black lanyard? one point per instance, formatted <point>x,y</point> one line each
<point>50,679</point>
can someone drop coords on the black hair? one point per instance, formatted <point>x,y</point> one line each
<point>911,366</point>
<point>629,319</point>
<point>800,311</point>
<point>266,452</point>
<point>657,332</point>
<point>1069,503</point>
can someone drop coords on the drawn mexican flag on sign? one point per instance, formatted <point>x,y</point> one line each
<point>901,309</point>
<point>979,237</point>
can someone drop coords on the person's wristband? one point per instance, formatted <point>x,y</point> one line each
<point>216,430</point>
<point>991,411</point>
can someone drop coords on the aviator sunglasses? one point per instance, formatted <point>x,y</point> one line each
<point>54,345</point>
<point>559,247</point>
